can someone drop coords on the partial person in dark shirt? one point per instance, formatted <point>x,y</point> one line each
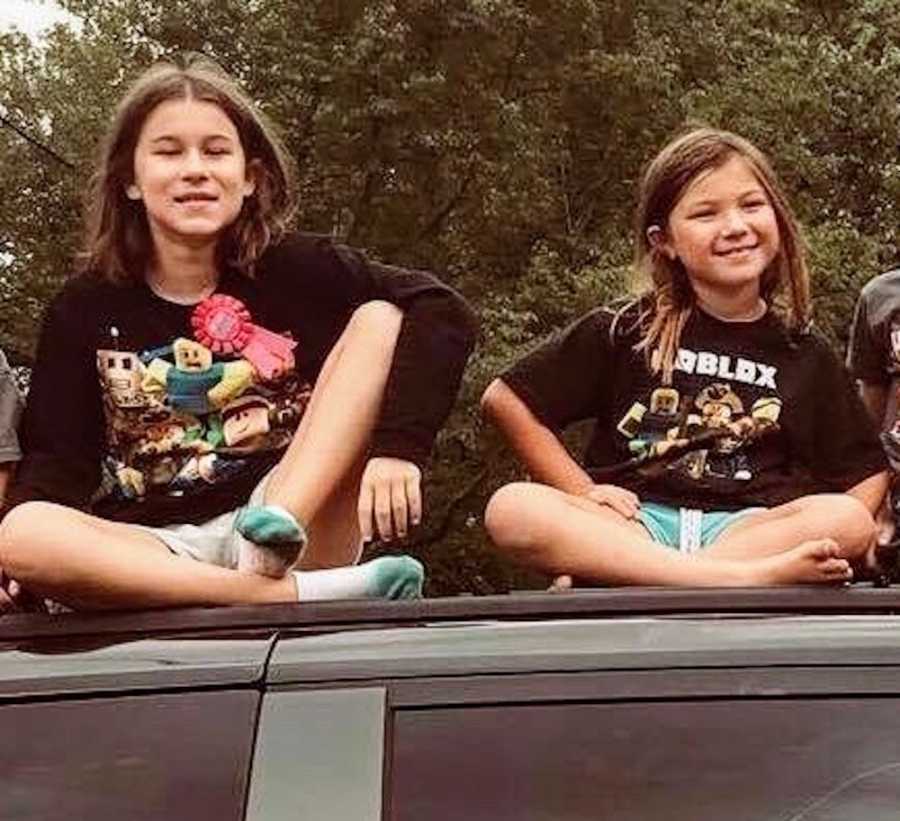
<point>215,388</point>
<point>729,447</point>
<point>873,357</point>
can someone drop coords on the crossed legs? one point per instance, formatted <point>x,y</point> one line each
<point>89,563</point>
<point>810,540</point>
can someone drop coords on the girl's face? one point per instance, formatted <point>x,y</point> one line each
<point>724,230</point>
<point>190,171</point>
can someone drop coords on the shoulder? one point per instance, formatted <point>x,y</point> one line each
<point>84,295</point>
<point>614,325</point>
<point>86,304</point>
<point>880,296</point>
<point>598,329</point>
<point>813,347</point>
<point>307,249</point>
<point>886,285</point>
<point>814,339</point>
<point>596,321</point>
<point>297,243</point>
<point>627,319</point>
<point>317,265</point>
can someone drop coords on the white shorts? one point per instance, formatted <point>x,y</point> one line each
<point>214,541</point>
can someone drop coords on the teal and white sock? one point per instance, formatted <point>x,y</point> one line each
<point>274,539</point>
<point>387,577</point>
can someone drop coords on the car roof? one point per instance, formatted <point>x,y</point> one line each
<point>592,603</point>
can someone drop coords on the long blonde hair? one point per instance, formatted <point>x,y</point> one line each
<point>671,299</point>
<point>117,241</point>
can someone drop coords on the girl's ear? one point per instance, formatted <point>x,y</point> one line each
<point>254,168</point>
<point>133,192</point>
<point>657,239</point>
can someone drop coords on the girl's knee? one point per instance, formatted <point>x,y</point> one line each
<point>375,325</point>
<point>507,515</point>
<point>845,519</point>
<point>377,317</point>
<point>856,520</point>
<point>17,534</point>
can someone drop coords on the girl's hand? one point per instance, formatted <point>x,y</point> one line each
<point>390,498</point>
<point>618,498</point>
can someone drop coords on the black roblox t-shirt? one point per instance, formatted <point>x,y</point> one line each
<point>755,415</point>
<point>139,414</point>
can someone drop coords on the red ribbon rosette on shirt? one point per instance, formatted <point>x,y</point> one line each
<point>224,325</point>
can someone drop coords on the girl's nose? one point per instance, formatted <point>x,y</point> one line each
<point>193,165</point>
<point>735,223</point>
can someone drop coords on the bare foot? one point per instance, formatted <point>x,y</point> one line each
<point>815,562</point>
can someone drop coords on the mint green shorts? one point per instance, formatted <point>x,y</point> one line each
<point>688,529</point>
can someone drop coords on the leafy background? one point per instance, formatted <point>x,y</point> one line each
<point>496,142</point>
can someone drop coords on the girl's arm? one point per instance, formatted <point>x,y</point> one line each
<point>436,338</point>
<point>544,455</point>
<point>62,427</point>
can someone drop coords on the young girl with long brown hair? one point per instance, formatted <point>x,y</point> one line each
<point>217,400</point>
<point>729,446</point>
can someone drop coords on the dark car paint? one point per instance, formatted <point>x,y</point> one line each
<point>627,704</point>
<point>174,756</point>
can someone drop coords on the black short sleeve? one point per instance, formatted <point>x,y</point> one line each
<point>62,425</point>
<point>843,447</point>
<point>561,380</point>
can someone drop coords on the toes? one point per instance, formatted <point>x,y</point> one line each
<point>834,566</point>
<point>836,570</point>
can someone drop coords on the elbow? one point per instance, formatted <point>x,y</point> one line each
<point>464,322</point>
<point>462,317</point>
<point>449,317</point>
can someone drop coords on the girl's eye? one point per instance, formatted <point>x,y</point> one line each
<point>217,152</point>
<point>166,152</point>
<point>703,215</point>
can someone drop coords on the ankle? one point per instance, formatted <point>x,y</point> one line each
<point>387,577</point>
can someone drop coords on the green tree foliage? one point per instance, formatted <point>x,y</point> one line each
<point>494,141</point>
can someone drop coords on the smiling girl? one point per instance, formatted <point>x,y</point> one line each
<point>729,447</point>
<point>217,401</point>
